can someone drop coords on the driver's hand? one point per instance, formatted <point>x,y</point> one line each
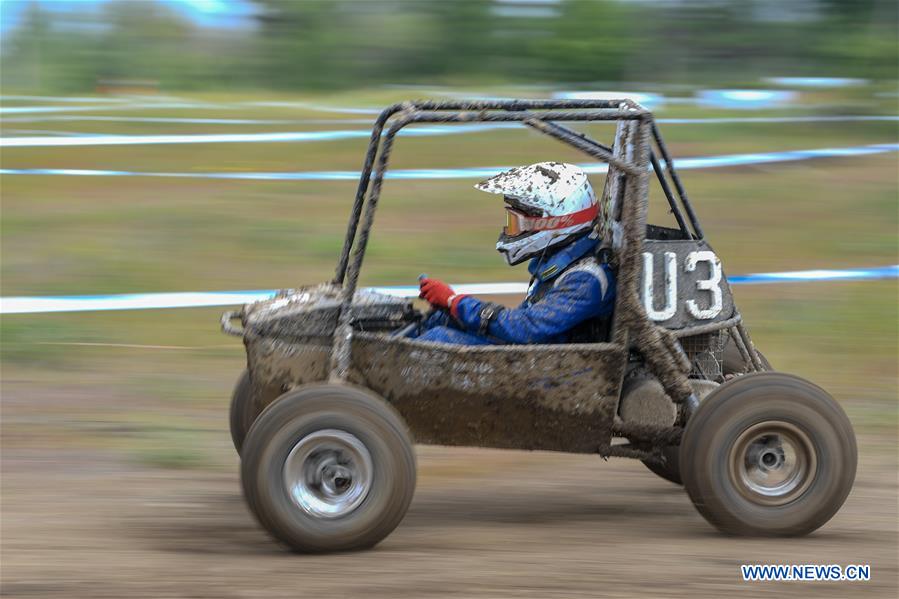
<point>437,293</point>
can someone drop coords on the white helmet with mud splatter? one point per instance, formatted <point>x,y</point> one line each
<point>548,204</point>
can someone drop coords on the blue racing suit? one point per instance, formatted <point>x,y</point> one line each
<point>568,288</point>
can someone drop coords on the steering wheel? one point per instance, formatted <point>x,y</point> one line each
<point>403,332</point>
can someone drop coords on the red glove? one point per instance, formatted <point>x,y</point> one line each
<point>438,294</point>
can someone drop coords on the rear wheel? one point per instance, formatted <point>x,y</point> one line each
<point>732,361</point>
<point>328,468</point>
<point>768,454</point>
<point>667,464</point>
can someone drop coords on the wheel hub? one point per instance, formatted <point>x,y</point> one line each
<point>772,463</point>
<point>328,473</point>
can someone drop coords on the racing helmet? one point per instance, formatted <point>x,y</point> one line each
<point>548,204</point>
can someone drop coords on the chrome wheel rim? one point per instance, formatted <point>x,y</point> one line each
<point>772,463</point>
<point>328,473</point>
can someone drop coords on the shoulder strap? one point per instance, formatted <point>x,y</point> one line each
<point>590,266</point>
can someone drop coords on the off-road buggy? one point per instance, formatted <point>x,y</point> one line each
<point>325,415</point>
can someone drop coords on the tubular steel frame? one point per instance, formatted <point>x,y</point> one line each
<point>476,111</point>
<point>543,116</point>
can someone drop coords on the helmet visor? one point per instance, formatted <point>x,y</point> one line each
<point>518,222</point>
<point>515,223</point>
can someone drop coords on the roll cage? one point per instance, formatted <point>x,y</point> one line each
<point>628,168</point>
<point>541,115</point>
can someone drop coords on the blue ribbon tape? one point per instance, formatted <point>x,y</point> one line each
<point>727,160</point>
<point>151,301</point>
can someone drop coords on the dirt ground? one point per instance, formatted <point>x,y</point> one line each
<point>484,523</point>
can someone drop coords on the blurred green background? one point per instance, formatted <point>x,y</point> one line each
<point>153,386</point>
<point>69,45</point>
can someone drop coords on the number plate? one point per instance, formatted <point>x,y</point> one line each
<point>683,284</point>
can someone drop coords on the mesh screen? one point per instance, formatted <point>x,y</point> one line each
<point>706,353</point>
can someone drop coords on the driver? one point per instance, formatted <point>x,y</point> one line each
<point>550,215</point>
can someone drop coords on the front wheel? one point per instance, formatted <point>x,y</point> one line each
<point>328,468</point>
<point>246,403</point>
<point>768,454</point>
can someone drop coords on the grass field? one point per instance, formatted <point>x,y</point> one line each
<point>118,474</point>
<point>86,235</point>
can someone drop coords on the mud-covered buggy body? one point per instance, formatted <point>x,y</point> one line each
<point>334,358</point>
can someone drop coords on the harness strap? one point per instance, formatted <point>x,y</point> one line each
<point>590,266</point>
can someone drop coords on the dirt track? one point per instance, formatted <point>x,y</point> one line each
<point>483,524</point>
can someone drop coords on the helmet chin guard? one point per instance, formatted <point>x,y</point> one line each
<point>523,247</point>
<point>548,204</point>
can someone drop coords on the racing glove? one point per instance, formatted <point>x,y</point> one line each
<point>439,294</point>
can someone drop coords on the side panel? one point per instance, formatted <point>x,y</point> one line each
<point>559,398</point>
<point>682,284</point>
<point>288,337</point>
<point>285,365</point>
